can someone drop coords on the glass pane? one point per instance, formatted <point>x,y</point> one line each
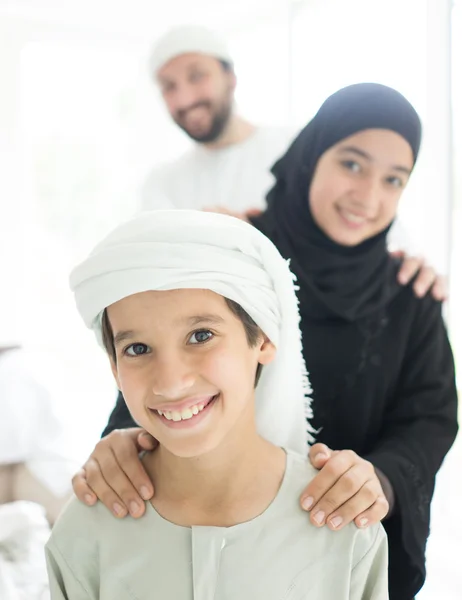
<point>261,54</point>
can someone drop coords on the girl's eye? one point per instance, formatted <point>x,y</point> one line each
<point>352,165</point>
<point>200,337</point>
<point>395,182</point>
<point>136,350</point>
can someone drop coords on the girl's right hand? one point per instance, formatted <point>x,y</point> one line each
<point>114,474</point>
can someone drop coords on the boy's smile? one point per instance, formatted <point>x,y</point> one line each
<point>176,417</point>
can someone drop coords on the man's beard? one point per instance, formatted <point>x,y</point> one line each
<point>220,119</point>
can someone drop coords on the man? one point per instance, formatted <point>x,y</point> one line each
<point>229,165</point>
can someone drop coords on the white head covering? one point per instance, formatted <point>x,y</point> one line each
<point>187,40</point>
<point>177,249</point>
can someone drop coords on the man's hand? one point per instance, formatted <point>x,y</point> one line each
<point>114,473</point>
<point>346,489</point>
<point>427,279</point>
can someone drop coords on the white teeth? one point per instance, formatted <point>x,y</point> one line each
<point>184,415</point>
<point>353,218</point>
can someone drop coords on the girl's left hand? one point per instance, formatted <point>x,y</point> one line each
<point>346,489</point>
<point>427,279</point>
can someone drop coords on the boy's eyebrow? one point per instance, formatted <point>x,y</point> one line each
<point>130,334</point>
<point>122,336</point>
<point>368,157</point>
<point>197,319</point>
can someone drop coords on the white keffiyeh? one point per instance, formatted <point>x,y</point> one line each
<point>177,249</point>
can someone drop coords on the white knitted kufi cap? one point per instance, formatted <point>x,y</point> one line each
<point>191,39</point>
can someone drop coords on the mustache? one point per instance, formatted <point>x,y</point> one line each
<point>184,111</point>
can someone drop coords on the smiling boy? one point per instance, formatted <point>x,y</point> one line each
<point>199,317</point>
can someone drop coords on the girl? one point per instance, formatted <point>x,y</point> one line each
<point>379,359</point>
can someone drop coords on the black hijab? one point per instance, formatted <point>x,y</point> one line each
<point>335,281</point>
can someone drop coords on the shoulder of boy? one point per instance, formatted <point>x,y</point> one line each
<point>369,543</point>
<point>78,529</point>
<point>302,473</point>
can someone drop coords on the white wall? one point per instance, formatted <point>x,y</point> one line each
<point>10,233</point>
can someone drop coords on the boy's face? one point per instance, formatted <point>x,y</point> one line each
<point>184,354</point>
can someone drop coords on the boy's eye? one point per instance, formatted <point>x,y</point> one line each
<point>200,337</point>
<point>136,350</point>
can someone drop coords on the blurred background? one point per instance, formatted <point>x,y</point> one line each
<point>81,124</point>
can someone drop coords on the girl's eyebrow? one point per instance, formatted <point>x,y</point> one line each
<point>357,151</point>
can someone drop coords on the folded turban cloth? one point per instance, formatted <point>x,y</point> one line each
<point>191,39</point>
<point>178,249</point>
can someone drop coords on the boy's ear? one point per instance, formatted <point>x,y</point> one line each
<point>115,372</point>
<point>267,351</point>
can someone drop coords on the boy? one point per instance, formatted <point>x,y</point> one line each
<point>199,317</point>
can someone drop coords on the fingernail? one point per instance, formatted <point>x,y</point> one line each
<point>320,456</point>
<point>145,493</point>
<point>307,503</point>
<point>319,517</point>
<point>134,508</point>
<point>363,522</point>
<point>119,510</point>
<point>336,522</point>
<point>89,499</point>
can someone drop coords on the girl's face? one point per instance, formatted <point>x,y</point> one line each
<point>357,184</point>
<point>185,367</point>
